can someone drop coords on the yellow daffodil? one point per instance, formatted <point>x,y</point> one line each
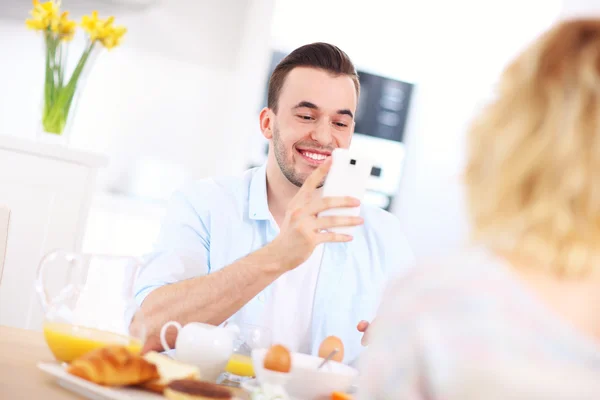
<point>113,37</point>
<point>103,30</point>
<point>64,27</point>
<point>42,15</point>
<point>92,24</point>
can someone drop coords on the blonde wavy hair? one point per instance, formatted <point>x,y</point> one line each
<point>533,173</point>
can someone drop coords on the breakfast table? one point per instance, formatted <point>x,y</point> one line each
<point>20,352</point>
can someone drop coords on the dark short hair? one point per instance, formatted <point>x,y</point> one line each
<point>322,56</point>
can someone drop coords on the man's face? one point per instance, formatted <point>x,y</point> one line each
<point>315,115</point>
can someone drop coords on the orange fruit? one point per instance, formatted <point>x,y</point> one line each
<point>340,396</point>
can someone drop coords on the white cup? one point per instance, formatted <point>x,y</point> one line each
<point>206,346</point>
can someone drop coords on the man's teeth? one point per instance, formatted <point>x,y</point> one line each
<point>314,156</point>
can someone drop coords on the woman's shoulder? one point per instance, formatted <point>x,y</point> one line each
<point>464,268</point>
<point>458,280</point>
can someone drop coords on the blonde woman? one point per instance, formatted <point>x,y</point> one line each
<point>517,315</point>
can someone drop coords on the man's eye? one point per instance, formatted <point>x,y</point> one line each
<point>341,124</point>
<point>305,117</point>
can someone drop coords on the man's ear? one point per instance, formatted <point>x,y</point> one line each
<point>266,122</point>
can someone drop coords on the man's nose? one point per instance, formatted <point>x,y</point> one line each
<point>322,133</point>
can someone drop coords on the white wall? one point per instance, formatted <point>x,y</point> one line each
<point>378,35</point>
<point>467,53</point>
<point>167,105</point>
<point>580,8</point>
<point>453,51</point>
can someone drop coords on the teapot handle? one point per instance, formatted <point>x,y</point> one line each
<point>40,285</point>
<point>163,332</point>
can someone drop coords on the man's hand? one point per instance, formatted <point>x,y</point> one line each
<point>302,230</point>
<point>363,326</point>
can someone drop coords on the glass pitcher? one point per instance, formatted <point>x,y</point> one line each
<point>93,303</point>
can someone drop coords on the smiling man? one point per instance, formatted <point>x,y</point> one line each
<point>252,249</point>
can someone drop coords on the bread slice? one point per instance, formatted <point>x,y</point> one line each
<point>169,370</point>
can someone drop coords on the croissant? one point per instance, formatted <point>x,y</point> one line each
<point>113,366</point>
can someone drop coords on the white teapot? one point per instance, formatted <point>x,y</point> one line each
<point>207,346</point>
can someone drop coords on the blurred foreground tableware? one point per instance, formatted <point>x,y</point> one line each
<point>328,358</point>
<point>240,366</point>
<point>305,380</point>
<point>206,346</point>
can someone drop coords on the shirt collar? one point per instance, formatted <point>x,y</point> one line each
<point>258,208</point>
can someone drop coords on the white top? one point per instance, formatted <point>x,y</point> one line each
<point>467,322</point>
<point>289,311</point>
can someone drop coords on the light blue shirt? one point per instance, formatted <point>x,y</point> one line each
<point>214,222</point>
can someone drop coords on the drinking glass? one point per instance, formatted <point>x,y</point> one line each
<point>239,368</point>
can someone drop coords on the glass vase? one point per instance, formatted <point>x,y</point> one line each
<point>61,92</point>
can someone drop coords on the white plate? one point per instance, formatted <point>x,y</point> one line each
<point>93,391</point>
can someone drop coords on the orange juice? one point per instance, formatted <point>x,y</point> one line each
<point>67,342</point>
<point>240,365</point>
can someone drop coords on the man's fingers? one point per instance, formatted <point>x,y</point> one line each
<point>365,339</point>
<point>327,203</point>
<point>315,179</point>
<point>362,326</point>
<point>337,221</point>
<point>332,237</point>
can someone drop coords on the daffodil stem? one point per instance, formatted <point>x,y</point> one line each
<point>61,66</point>
<point>56,117</point>
<point>48,82</point>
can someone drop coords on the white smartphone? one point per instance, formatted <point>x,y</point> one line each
<point>348,176</point>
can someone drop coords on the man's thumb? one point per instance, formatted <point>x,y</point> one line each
<point>362,326</point>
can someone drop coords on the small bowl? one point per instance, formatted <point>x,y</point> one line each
<point>304,380</point>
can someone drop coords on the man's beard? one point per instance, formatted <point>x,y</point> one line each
<point>281,156</point>
<point>282,159</point>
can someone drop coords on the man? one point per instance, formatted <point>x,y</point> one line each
<point>252,249</point>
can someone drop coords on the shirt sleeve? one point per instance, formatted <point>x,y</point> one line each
<point>182,249</point>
